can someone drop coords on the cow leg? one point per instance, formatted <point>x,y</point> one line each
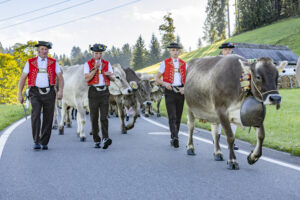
<point>232,162</point>
<point>257,152</point>
<point>62,120</point>
<point>122,117</point>
<point>191,125</point>
<point>81,120</point>
<point>216,137</point>
<point>146,110</point>
<point>135,116</point>
<point>55,122</point>
<point>157,106</point>
<point>69,121</point>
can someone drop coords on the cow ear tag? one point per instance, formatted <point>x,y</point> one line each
<point>133,85</point>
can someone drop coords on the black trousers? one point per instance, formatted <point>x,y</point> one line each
<point>39,102</point>
<point>99,101</point>
<point>174,105</point>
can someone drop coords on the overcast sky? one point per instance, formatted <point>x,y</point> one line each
<point>120,23</point>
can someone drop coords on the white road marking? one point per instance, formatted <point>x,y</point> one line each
<point>7,132</point>
<point>159,133</point>
<point>271,160</point>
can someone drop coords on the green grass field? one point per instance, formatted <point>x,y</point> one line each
<point>285,32</point>
<point>10,114</point>
<point>282,126</point>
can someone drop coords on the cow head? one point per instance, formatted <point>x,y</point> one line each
<point>120,83</point>
<point>144,91</point>
<point>264,77</point>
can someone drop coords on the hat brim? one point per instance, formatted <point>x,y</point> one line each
<point>96,50</point>
<point>37,45</point>
<point>230,47</point>
<point>174,47</point>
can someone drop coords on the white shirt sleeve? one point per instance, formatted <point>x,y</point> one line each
<point>57,68</point>
<point>162,67</point>
<point>186,66</point>
<point>26,68</point>
<point>110,68</point>
<point>86,68</point>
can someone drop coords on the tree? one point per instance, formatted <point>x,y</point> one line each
<point>178,41</point>
<point>139,54</point>
<point>167,30</point>
<point>1,48</point>
<point>126,55</point>
<point>215,22</point>
<point>155,51</point>
<point>199,43</point>
<point>77,56</point>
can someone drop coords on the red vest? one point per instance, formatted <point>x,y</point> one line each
<point>33,70</point>
<point>95,79</point>
<point>168,75</point>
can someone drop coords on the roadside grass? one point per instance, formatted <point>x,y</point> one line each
<point>10,114</point>
<point>282,127</point>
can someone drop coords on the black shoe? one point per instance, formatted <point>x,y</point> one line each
<point>175,143</point>
<point>44,147</point>
<point>106,142</point>
<point>36,146</point>
<point>97,145</point>
<point>235,147</point>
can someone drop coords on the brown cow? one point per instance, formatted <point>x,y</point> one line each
<point>213,93</point>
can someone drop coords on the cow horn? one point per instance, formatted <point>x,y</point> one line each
<point>245,66</point>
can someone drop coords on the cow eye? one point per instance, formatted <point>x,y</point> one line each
<point>117,77</point>
<point>258,78</point>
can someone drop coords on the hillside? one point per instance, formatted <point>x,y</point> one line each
<point>285,32</point>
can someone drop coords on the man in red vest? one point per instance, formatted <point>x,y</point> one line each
<point>42,72</point>
<point>173,72</point>
<point>97,73</point>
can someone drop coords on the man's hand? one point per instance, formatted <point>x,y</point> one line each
<point>20,98</point>
<point>59,94</point>
<point>97,63</point>
<point>108,73</point>
<point>167,85</point>
<point>181,90</point>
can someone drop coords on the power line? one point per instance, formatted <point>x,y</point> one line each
<point>39,17</point>
<point>2,2</point>
<point>32,11</point>
<point>81,18</point>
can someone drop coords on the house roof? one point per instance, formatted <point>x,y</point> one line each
<point>276,52</point>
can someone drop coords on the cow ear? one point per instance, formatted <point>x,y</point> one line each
<point>246,66</point>
<point>281,66</point>
<point>133,85</point>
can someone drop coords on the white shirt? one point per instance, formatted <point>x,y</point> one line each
<point>42,79</point>
<point>177,76</point>
<point>101,78</point>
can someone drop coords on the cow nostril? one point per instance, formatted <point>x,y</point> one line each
<point>129,91</point>
<point>149,103</point>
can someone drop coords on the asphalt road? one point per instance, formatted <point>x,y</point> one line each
<point>139,165</point>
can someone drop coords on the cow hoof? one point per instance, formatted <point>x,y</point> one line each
<point>146,115</point>
<point>233,166</point>
<point>190,152</point>
<point>69,126</point>
<point>151,113</point>
<point>91,133</point>
<point>124,131</point>
<point>54,127</point>
<point>218,157</point>
<point>61,131</point>
<point>82,139</point>
<point>251,161</point>
<point>158,115</point>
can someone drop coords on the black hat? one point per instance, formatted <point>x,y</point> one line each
<point>227,45</point>
<point>174,45</point>
<point>43,43</point>
<point>98,47</point>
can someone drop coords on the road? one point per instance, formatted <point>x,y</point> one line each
<point>139,165</point>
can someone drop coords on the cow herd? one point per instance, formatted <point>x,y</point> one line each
<point>213,93</point>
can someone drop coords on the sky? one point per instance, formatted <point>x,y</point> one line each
<point>110,22</point>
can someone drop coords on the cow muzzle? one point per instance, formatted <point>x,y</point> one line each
<point>273,99</point>
<point>126,91</point>
<point>148,103</point>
